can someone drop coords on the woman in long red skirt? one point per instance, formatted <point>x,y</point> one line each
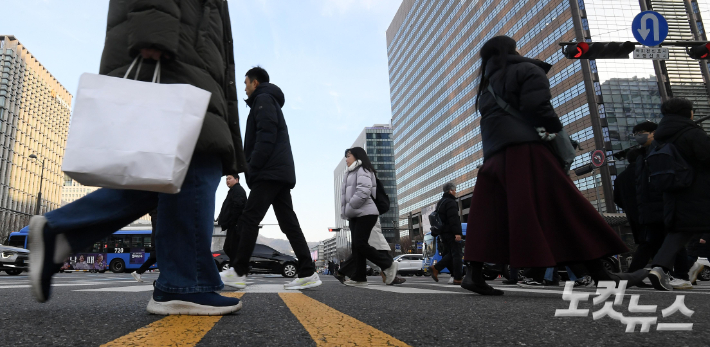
<point>525,210</point>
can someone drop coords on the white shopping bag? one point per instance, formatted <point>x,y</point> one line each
<point>127,134</point>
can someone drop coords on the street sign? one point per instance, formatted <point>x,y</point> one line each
<point>649,28</point>
<point>397,247</point>
<point>598,158</point>
<point>654,53</point>
<point>419,245</point>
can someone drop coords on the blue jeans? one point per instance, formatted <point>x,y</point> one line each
<point>185,225</point>
<point>549,274</point>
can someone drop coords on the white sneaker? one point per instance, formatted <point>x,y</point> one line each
<point>695,271</point>
<point>391,272</point>
<point>352,283</point>
<point>681,284</point>
<point>305,282</point>
<point>137,276</point>
<point>451,280</point>
<point>704,261</point>
<point>230,278</point>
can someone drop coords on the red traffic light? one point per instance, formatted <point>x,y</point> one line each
<point>582,48</point>
<point>700,52</point>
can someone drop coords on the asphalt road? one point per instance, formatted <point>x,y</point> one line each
<point>97,309</point>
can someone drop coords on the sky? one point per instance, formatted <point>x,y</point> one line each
<point>328,56</point>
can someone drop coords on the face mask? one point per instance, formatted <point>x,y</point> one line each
<point>641,139</point>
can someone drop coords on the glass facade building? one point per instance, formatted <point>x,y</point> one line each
<point>377,142</point>
<point>434,67</point>
<point>34,119</point>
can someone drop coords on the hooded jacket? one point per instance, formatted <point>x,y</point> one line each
<point>688,210</point>
<point>523,84</point>
<point>267,146</point>
<point>196,39</point>
<point>355,193</point>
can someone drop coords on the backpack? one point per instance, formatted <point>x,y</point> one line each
<point>667,169</point>
<point>437,225</point>
<point>382,201</point>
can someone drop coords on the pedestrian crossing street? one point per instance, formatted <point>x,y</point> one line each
<point>325,325</point>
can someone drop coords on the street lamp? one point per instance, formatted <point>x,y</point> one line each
<point>41,178</point>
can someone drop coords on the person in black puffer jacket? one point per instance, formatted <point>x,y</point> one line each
<point>685,212</point>
<point>451,235</point>
<point>525,210</point>
<point>271,176</point>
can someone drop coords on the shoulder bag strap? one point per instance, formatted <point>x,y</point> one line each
<point>503,104</point>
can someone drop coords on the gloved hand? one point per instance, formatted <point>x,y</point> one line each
<point>544,135</point>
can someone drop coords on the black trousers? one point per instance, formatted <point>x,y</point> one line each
<point>360,229</point>
<point>148,263</point>
<point>278,195</point>
<point>672,245</point>
<point>231,244</point>
<point>347,267</point>
<point>452,258</point>
<point>656,234</point>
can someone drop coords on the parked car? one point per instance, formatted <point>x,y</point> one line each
<point>264,259</point>
<point>14,260</point>
<point>410,264</point>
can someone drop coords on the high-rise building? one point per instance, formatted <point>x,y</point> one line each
<point>434,69</point>
<point>34,120</point>
<point>73,190</point>
<point>377,142</point>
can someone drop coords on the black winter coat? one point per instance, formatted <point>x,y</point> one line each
<point>232,207</point>
<point>197,39</point>
<point>523,84</point>
<point>448,210</point>
<point>688,209</point>
<point>625,197</point>
<point>697,249</point>
<point>649,200</point>
<point>266,142</point>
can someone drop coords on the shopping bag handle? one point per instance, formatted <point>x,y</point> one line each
<point>156,74</point>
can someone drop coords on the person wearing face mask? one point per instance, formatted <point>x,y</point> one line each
<point>644,206</point>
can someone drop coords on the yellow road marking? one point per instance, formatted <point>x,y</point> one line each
<point>172,330</point>
<point>330,327</point>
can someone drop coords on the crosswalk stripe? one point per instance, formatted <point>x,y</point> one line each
<point>182,331</point>
<point>330,327</point>
<point>410,290</point>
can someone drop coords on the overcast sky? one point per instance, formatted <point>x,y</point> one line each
<point>328,56</point>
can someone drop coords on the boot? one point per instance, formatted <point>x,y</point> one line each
<point>434,273</point>
<point>600,273</point>
<point>474,281</point>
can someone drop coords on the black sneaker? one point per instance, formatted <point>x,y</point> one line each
<point>339,277</point>
<point>42,257</point>
<point>193,304</point>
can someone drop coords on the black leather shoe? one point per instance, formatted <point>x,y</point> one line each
<point>474,282</point>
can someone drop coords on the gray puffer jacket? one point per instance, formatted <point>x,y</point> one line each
<point>356,189</point>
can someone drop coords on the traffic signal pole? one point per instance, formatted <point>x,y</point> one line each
<point>588,77</point>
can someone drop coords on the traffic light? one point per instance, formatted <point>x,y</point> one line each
<point>332,230</point>
<point>599,50</point>
<point>699,52</point>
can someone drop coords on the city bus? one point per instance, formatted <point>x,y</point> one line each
<point>126,249</point>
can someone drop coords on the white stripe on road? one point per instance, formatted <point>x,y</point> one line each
<point>264,288</point>
<point>408,290</point>
<point>132,289</point>
<point>53,285</point>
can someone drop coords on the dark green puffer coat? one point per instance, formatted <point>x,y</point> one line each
<point>197,39</point>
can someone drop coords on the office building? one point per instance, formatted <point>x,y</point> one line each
<point>73,190</point>
<point>34,120</point>
<point>434,66</point>
<point>377,142</point>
